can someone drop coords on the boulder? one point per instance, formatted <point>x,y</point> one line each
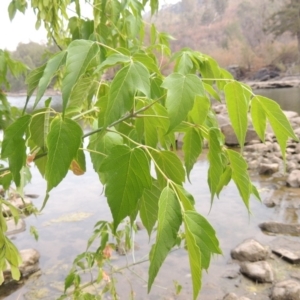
<point>280,228</point>
<point>267,169</point>
<point>13,228</point>
<point>293,179</point>
<point>250,250</point>
<point>287,249</point>
<point>30,264</point>
<point>230,137</point>
<point>259,271</point>
<point>286,290</point>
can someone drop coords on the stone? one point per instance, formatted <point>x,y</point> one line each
<point>231,296</point>
<point>293,179</point>
<point>260,148</point>
<point>280,228</point>
<point>267,169</point>
<point>30,261</point>
<point>30,264</point>
<point>230,137</point>
<point>291,166</point>
<point>250,250</point>
<point>287,249</point>
<point>13,228</point>
<point>16,202</point>
<point>286,290</point>
<point>290,114</point>
<point>259,271</point>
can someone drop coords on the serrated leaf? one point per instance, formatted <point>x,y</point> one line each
<point>237,106</point>
<point>83,90</point>
<point>185,198</point>
<point>33,79</point>
<point>155,118</point>
<point>101,145</point>
<point>128,174</point>
<point>132,78</point>
<point>259,118</point>
<point>80,54</point>
<point>215,161</point>
<point>224,179</point>
<point>279,122</point>
<point>212,91</point>
<point>182,90</point>
<point>37,127</point>
<point>192,147</point>
<point>201,239</point>
<point>184,64</point>
<point>169,164</point>
<point>114,59</point>
<point>240,175</point>
<point>147,61</point>
<point>63,141</point>
<point>169,221</point>
<point>149,206</point>
<point>13,146</point>
<point>51,68</point>
<point>69,280</point>
<point>200,110</point>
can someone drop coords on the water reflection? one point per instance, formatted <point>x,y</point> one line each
<point>287,98</point>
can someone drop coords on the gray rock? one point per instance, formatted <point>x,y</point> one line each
<point>16,202</point>
<point>30,264</point>
<point>293,179</point>
<point>268,169</point>
<point>290,114</point>
<point>250,250</point>
<point>230,137</point>
<point>259,271</point>
<point>13,228</point>
<point>286,248</point>
<point>231,296</point>
<point>260,148</point>
<point>291,166</point>
<point>286,290</point>
<point>281,228</point>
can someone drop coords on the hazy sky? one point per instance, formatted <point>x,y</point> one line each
<point>22,28</point>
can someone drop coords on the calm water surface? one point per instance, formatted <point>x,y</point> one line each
<point>62,239</point>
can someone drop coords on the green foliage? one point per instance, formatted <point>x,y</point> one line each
<point>132,120</point>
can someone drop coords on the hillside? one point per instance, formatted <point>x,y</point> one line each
<point>231,31</point>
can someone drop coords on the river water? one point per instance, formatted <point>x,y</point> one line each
<point>78,203</point>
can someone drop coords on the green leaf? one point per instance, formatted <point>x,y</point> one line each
<point>185,198</point>
<point>155,119</point>
<point>212,91</point>
<point>279,122</point>
<point>224,179</point>
<point>237,106</point>
<point>12,10</point>
<point>192,147</point>
<point>101,145</point>
<point>201,244</point>
<point>184,64</point>
<point>33,80</point>
<point>51,68</point>
<point>215,161</point>
<point>13,146</point>
<point>114,59</point>
<point>132,78</point>
<point>80,54</point>
<point>169,164</point>
<point>128,174</point>
<point>182,90</point>
<point>240,175</point>
<point>63,141</point>
<point>259,118</point>
<point>37,128</point>
<point>83,91</point>
<point>149,206</point>
<point>147,61</point>
<point>169,221</point>
<point>200,110</point>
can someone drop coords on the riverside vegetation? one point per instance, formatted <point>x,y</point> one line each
<point>133,120</point>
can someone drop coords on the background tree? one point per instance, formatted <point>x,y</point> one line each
<point>286,19</point>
